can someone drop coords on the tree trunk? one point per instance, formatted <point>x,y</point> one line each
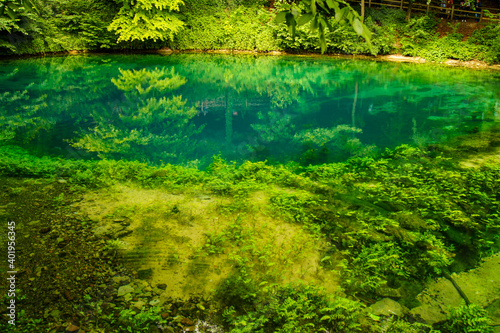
<point>353,113</point>
<point>363,11</point>
<point>408,11</point>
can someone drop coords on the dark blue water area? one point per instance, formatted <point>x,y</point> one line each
<point>186,108</point>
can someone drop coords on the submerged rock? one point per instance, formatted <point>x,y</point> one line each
<point>481,286</point>
<point>122,233</point>
<point>155,302</point>
<point>112,231</point>
<point>161,286</point>
<point>120,280</point>
<point>386,291</point>
<point>123,290</point>
<point>144,274</point>
<point>72,328</point>
<point>139,305</point>
<point>387,307</point>
<point>187,322</point>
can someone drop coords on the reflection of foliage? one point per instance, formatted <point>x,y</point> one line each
<point>269,96</point>
<point>389,107</point>
<point>275,127</point>
<point>144,81</point>
<point>283,81</point>
<point>321,136</point>
<point>156,124</point>
<point>18,115</point>
<point>331,143</point>
<point>159,124</point>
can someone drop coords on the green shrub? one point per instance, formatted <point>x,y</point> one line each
<point>489,38</point>
<point>240,28</point>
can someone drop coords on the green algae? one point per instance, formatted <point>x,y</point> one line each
<point>190,241</point>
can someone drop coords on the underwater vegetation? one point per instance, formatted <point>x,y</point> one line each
<point>374,227</point>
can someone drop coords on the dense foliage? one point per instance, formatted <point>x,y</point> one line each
<point>33,27</point>
<point>147,19</point>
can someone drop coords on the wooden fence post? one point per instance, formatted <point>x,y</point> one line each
<point>481,18</point>
<point>369,3</point>
<point>401,4</point>
<point>452,11</point>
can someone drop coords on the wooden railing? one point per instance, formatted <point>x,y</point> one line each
<point>454,12</point>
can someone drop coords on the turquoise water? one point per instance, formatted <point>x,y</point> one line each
<point>185,108</point>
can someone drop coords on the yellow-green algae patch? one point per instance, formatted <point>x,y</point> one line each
<point>480,159</point>
<point>193,242</point>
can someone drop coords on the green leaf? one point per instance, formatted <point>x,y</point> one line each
<point>322,5</point>
<point>322,41</point>
<point>11,14</point>
<point>358,26</point>
<point>291,23</point>
<point>314,24</point>
<point>339,15</point>
<point>330,3</point>
<point>304,19</point>
<point>281,16</point>
<point>13,6</point>
<point>322,23</point>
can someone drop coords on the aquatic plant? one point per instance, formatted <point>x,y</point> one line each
<point>140,321</point>
<point>370,269</point>
<point>468,318</point>
<point>298,308</point>
<point>115,245</point>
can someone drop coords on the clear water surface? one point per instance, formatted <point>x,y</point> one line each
<point>185,108</point>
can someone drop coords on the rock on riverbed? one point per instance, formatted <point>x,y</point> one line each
<point>481,285</point>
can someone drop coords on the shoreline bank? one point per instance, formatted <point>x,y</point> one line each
<point>472,64</point>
